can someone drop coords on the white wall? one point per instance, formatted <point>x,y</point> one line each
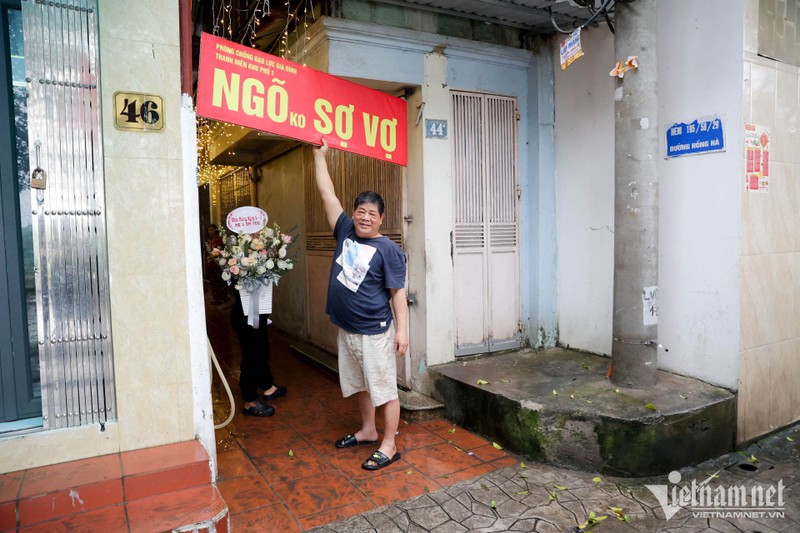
<point>584,168</point>
<point>700,73</point>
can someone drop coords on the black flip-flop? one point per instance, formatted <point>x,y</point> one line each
<point>348,441</point>
<point>380,459</point>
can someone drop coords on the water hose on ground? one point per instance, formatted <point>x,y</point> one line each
<point>213,357</point>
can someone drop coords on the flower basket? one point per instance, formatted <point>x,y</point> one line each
<point>264,299</point>
<point>253,263</point>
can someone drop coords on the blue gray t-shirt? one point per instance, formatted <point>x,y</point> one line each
<point>363,271</point>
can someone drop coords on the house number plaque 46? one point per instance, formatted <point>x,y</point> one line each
<point>138,112</point>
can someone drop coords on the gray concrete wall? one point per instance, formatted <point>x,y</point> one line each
<point>281,193</point>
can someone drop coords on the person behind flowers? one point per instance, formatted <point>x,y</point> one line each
<point>248,258</point>
<point>366,287</point>
<point>255,369</point>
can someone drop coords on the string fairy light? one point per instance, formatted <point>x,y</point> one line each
<point>260,12</point>
<point>293,16</point>
<point>225,18</point>
<point>210,132</point>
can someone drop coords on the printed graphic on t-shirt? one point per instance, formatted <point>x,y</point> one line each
<point>354,260</point>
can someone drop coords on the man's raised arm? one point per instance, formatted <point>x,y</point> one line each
<point>331,204</point>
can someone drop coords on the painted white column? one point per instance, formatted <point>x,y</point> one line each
<point>429,205</point>
<point>203,415</point>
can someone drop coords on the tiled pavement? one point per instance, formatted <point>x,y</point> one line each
<point>542,498</point>
<point>284,474</point>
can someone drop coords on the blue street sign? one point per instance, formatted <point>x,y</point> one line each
<point>701,136</point>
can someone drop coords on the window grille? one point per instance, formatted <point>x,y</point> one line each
<point>234,191</point>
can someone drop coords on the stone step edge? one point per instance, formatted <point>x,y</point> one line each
<point>147,484</point>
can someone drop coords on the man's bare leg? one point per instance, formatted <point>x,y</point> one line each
<point>391,415</point>
<point>368,430</point>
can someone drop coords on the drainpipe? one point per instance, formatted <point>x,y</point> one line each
<point>635,322</point>
<point>185,24</point>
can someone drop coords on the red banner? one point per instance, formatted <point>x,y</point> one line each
<point>241,85</point>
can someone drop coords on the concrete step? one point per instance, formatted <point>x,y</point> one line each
<point>146,489</point>
<point>416,406</point>
<point>198,509</point>
<point>163,469</point>
<point>557,406</point>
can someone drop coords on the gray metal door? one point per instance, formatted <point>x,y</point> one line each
<point>485,242</point>
<point>69,231</point>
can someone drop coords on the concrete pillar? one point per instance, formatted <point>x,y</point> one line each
<point>635,329</point>
<point>430,215</point>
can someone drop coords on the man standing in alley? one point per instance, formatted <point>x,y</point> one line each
<point>366,286</point>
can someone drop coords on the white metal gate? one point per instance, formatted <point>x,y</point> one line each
<point>69,213</point>
<point>485,240</point>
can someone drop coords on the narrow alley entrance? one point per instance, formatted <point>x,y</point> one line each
<point>283,473</point>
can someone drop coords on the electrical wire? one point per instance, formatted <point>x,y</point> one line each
<point>603,10</point>
<point>605,14</point>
